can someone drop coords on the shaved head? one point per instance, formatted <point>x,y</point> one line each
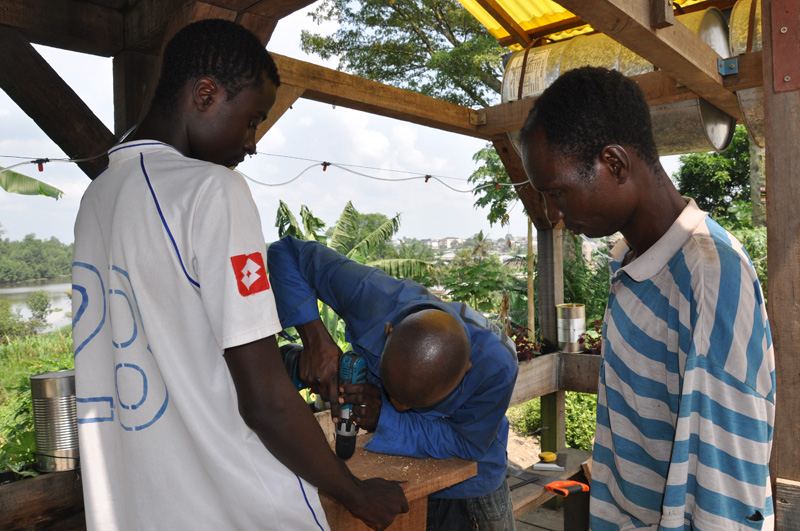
<point>426,356</point>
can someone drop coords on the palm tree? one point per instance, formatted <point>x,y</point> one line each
<point>480,249</point>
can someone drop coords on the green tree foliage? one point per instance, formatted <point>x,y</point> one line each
<point>435,47</point>
<point>39,304</point>
<point>12,325</point>
<point>715,180</point>
<point>491,180</point>
<point>33,259</point>
<point>720,185</point>
<point>586,281</point>
<point>477,283</point>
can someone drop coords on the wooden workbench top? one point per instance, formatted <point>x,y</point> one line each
<point>422,477</point>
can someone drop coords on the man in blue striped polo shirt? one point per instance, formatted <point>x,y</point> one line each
<point>686,399</point>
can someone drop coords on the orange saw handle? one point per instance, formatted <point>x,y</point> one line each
<point>567,487</point>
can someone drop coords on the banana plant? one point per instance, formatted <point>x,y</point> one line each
<point>344,239</point>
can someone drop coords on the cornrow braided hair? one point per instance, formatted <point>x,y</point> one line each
<point>589,108</point>
<point>226,52</point>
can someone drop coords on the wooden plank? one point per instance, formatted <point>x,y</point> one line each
<point>528,497</point>
<point>537,377</point>
<point>674,49</point>
<point>787,503</point>
<point>39,91</point>
<point>421,477</point>
<point>658,88</point>
<point>782,158</point>
<point>48,501</point>
<point>346,90</point>
<point>69,24</point>
<point>579,372</point>
<point>496,11</point>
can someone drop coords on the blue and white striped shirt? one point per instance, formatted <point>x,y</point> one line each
<point>686,401</point>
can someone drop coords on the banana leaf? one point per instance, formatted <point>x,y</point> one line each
<point>17,183</point>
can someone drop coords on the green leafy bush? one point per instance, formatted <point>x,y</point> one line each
<point>19,360</point>
<point>581,411</point>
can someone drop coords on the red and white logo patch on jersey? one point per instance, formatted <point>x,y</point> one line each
<point>251,276</point>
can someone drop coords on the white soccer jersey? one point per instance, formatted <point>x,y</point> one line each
<point>168,273</point>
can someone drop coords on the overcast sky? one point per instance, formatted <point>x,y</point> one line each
<point>383,147</point>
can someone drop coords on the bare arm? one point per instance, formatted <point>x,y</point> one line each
<point>274,410</point>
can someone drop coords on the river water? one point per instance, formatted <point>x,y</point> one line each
<point>57,289</point>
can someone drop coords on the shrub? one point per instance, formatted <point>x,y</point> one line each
<point>581,411</point>
<point>19,360</point>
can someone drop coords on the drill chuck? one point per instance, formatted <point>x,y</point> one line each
<point>352,370</point>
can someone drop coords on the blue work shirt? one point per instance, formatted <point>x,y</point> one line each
<point>470,422</point>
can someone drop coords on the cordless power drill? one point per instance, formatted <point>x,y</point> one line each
<point>352,370</point>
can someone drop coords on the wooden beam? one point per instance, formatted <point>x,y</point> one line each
<point>496,11</point>
<point>287,95</point>
<point>782,158</point>
<point>661,14</point>
<point>338,88</point>
<point>149,24</point>
<point>134,72</point>
<point>277,9</point>
<point>674,49</point>
<point>532,199</point>
<point>51,103</point>
<point>658,88</point>
<point>787,503</point>
<point>70,24</point>
<point>49,501</point>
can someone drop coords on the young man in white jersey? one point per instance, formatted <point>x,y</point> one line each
<point>686,398</point>
<point>187,418</point>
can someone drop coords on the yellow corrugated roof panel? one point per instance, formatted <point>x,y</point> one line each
<point>531,15</point>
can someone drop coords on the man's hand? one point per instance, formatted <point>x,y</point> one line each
<point>319,363</point>
<point>366,401</point>
<point>382,501</point>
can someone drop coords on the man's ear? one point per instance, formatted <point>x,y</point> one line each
<point>204,93</point>
<point>617,161</point>
<point>387,329</point>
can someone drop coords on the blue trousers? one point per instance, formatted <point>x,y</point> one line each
<point>492,512</point>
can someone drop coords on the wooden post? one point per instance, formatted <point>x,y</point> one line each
<point>551,292</point>
<point>531,306</point>
<point>781,40</point>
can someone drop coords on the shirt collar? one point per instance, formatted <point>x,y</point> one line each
<point>658,256</point>
<point>130,149</point>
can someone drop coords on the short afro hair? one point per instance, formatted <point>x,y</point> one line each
<point>589,108</point>
<point>226,52</point>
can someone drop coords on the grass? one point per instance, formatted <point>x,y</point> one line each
<point>19,360</point>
